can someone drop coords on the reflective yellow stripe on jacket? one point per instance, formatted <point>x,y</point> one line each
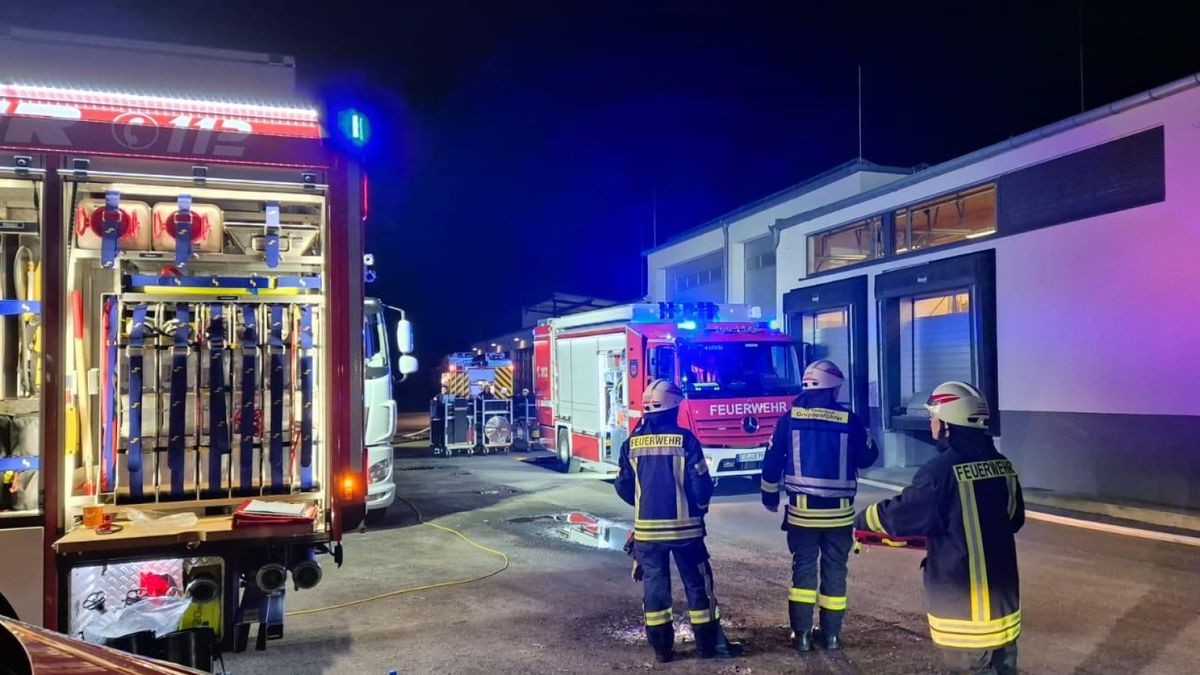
<point>800,515</point>
<point>969,634</point>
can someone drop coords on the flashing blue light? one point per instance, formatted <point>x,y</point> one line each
<point>355,126</point>
<point>686,325</point>
<point>773,324</point>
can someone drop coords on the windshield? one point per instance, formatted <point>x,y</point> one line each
<point>721,369</point>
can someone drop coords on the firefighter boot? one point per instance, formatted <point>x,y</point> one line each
<point>831,629</point>
<point>800,614</point>
<point>662,641</point>
<point>711,642</point>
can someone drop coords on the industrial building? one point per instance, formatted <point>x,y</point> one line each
<point>1055,270</point>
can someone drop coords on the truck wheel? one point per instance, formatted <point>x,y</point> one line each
<point>566,462</point>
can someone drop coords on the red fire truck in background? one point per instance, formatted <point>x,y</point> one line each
<point>738,376</point>
<point>189,273</point>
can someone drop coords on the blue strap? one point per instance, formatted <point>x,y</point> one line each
<point>252,283</point>
<point>218,415</point>
<point>16,307</point>
<point>272,232</point>
<point>275,348</point>
<point>184,222</point>
<point>177,417</point>
<point>306,391</point>
<point>20,463</point>
<point>249,388</point>
<point>137,340</point>
<point>110,228</point>
<point>108,390</point>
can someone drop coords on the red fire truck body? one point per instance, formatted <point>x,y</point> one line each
<point>274,176</point>
<point>738,377</point>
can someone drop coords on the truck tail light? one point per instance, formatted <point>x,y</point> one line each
<point>349,486</point>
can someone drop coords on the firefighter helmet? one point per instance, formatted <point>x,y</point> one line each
<point>661,395</point>
<point>959,404</point>
<point>823,374</point>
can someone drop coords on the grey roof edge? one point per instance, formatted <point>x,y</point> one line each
<point>808,185</point>
<point>1054,128</point>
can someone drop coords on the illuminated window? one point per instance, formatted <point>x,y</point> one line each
<point>965,215</point>
<point>846,245</point>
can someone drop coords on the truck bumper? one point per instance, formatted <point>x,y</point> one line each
<point>724,462</point>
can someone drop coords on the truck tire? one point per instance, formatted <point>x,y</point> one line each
<point>567,463</point>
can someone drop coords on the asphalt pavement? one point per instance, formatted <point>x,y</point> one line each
<point>1093,602</point>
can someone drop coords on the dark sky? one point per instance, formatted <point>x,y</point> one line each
<point>519,145</point>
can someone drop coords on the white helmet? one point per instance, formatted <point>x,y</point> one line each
<point>661,395</point>
<point>960,404</point>
<point>823,374</point>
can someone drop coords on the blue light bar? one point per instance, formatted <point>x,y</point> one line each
<point>355,126</point>
<point>686,325</point>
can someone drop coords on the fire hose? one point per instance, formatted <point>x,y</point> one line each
<point>427,587</point>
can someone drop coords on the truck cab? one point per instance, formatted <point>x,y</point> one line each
<point>380,410</point>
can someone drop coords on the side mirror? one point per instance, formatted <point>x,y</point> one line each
<point>404,338</point>
<point>406,364</point>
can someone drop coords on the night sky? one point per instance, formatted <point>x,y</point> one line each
<point>519,145</point>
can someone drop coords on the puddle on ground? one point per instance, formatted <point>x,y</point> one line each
<point>580,528</point>
<point>501,490</point>
<point>633,633</point>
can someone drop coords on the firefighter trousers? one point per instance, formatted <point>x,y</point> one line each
<point>823,551</point>
<point>691,559</point>
<point>998,661</point>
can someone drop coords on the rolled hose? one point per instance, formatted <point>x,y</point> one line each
<point>428,587</point>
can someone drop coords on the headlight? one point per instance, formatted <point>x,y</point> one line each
<point>380,469</point>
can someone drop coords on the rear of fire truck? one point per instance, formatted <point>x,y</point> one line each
<point>177,276</point>
<point>738,376</point>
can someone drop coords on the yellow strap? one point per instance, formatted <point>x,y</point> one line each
<point>834,602</point>
<point>808,595</point>
<point>873,521</point>
<point>988,641</point>
<point>975,627</point>
<point>698,616</point>
<point>659,618</point>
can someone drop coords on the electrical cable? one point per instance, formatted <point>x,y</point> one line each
<point>427,587</point>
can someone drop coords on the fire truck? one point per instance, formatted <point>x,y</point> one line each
<point>478,404</point>
<point>177,277</point>
<point>737,373</point>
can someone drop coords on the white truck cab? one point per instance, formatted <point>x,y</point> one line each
<point>380,424</point>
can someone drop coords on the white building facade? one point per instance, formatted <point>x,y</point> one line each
<point>732,258</point>
<point>1056,271</point>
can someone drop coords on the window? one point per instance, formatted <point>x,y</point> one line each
<point>719,369</point>
<point>662,363</point>
<point>965,215</point>
<point>375,352</point>
<point>846,245</point>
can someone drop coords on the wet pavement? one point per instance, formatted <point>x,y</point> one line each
<point>1093,602</point>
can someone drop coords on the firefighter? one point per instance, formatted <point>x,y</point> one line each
<point>437,419</point>
<point>664,476</point>
<point>816,452</point>
<point>967,502</point>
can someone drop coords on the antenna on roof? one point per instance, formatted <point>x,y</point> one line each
<point>860,154</point>
<point>1079,17</point>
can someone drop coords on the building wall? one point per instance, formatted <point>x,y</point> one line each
<point>1097,320</point>
<point>745,228</point>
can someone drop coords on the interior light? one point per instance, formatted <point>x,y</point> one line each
<point>686,325</point>
<point>981,233</point>
<point>773,324</point>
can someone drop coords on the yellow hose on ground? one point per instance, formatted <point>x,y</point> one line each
<point>427,587</point>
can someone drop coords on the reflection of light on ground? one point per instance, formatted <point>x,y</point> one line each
<point>581,528</point>
<point>632,633</point>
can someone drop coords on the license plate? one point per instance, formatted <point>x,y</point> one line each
<point>750,457</point>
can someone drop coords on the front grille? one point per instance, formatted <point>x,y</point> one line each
<point>728,432</point>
